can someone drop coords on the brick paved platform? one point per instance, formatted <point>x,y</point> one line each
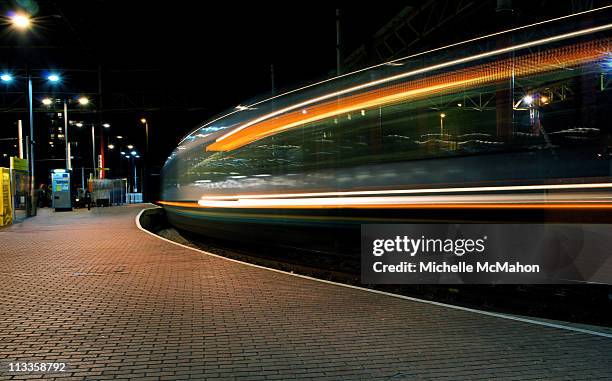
<point>92,290</point>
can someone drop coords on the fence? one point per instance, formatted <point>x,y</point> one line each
<point>108,191</point>
<point>134,198</point>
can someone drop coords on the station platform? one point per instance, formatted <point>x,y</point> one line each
<point>94,291</point>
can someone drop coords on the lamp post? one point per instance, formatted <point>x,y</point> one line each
<point>145,166</point>
<point>442,116</point>
<point>20,22</point>
<point>83,101</point>
<point>131,157</point>
<point>146,124</point>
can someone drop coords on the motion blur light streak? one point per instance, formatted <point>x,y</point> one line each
<point>415,72</point>
<point>478,75</point>
<point>420,191</point>
<point>398,205</point>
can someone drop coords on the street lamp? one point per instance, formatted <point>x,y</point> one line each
<point>83,101</point>
<point>6,77</point>
<point>442,116</point>
<point>47,102</point>
<point>21,21</point>
<point>53,77</point>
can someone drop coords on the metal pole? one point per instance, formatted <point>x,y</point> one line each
<point>83,178</point>
<point>146,158</point>
<point>20,137</point>
<point>68,161</point>
<point>32,140</point>
<point>93,147</point>
<point>27,146</point>
<point>135,177</point>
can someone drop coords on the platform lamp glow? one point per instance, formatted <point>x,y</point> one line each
<point>20,21</point>
<point>442,116</point>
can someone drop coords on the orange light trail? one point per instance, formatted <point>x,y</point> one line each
<point>569,206</point>
<point>529,64</point>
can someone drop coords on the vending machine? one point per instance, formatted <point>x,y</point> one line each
<point>60,188</point>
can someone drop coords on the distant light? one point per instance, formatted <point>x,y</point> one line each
<point>83,101</point>
<point>304,111</point>
<point>106,125</point>
<point>20,20</point>
<point>362,112</point>
<point>137,156</point>
<point>79,124</point>
<point>130,146</point>
<point>443,115</point>
<point>111,146</point>
<point>544,99</point>
<point>134,153</point>
<point>143,120</point>
<point>528,99</point>
<point>59,170</point>
<point>122,152</point>
<point>119,137</point>
<point>47,102</point>
<point>6,77</point>
<point>459,105</point>
<point>53,77</point>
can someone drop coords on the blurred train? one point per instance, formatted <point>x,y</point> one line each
<point>511,121</point>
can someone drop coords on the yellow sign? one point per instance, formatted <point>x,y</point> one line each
<point>6,207</point>
<point>18,164</point>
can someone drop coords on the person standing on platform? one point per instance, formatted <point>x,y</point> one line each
<point>88,199</point>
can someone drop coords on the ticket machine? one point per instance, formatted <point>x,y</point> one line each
<point>60,187</point>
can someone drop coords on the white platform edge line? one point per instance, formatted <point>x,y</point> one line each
<point>412,299</point>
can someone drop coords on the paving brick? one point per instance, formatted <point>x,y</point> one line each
<point>91,290</point>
